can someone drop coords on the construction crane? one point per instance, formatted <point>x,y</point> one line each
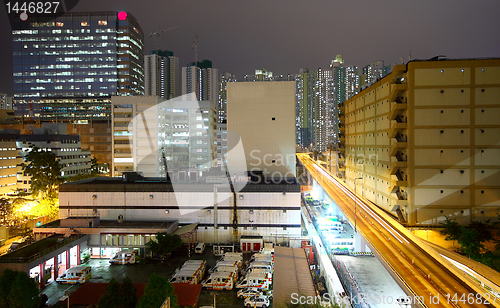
<point>157,33</point>
<point>195,47</point>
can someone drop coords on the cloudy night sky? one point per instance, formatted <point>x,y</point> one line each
<point>286,35</point>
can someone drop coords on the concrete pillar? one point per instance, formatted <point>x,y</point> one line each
<point>68,258</point>
<point>41,275</point>
<point>78,254</point>
<point>56,267</point>
<point>359,243</point>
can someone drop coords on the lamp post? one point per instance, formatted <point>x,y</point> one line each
<point>355,212</point>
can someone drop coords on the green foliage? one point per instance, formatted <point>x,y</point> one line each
<point>471,244</point>
<point>472,238</point>
<point>129,293</point>
<point>44,170</point>
<point>94,165</point>
<point>164,244</point>
<point>17,290</point>
<point>119,297</point>
<point>113,296</point>
<point>6,211</point>
<point>156,291</point>
<point>452,230</point>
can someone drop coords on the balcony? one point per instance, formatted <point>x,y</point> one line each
<point>395,127</point>
<point>397,89</point>
<point>396,109</point>
<point>396,146</point>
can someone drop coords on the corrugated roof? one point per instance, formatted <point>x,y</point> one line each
<point>291,275</point>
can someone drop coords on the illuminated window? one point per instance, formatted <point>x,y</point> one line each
<point>84,24</point>
<point>59,24</point>
<point>103,23</point>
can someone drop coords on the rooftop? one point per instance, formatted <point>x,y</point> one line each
<point>139,183</point>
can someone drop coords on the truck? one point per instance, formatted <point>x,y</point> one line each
<point>219,281</point>
<point>124,256</point>
<point>75,275</point>
<point>256,280</point>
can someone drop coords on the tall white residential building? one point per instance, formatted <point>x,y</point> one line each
<point>324,110</point>
<point>151,135</point>
<point>161,75</point>
<point>263,114</point>
<point>203,80</point>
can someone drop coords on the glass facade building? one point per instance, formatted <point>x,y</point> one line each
<point>68,67</point>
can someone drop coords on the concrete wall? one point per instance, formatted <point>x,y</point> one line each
<point>263,114</point>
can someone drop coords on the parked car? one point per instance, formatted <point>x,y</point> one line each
<point>260,301</point>
<point>248,292</point>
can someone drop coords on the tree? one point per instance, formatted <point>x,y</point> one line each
<point>113,297</point>
<point>129,293</point>
<point>6,279</point>
<point>44,170</point>
<point>470,242</point>
<point>17,290</point>
<point>6,211</point>
<point>164,244</point>
<point>156,292</point>
<point>452,230</point>
<point>94,165</point>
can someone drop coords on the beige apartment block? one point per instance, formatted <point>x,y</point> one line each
<point>424,142</point>
<point>263,114</point>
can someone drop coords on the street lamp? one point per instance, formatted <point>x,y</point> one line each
<point>355,212</point>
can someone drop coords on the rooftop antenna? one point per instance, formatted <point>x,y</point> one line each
<point>157,33</point>
<point>195,47</point>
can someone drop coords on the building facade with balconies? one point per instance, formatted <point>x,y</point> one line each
<point>424,141</point>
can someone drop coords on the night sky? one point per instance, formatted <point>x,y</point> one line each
<point>283,36</point>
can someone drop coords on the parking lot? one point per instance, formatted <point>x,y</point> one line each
<point>102,272</point>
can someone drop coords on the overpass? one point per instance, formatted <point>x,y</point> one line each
<point>429,279</point>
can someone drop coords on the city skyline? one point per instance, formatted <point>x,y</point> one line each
<point>276,39</point>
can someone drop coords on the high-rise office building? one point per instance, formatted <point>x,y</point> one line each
<point>161,74</point>
<point>68,67</point>
<point>304,99</point>
<point>201,79</point>
<point>425,141</point>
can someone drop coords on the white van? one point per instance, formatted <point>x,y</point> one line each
<point>256,280</point>
<point>187,275</point>
<point>125,256</point>
<point>233,269</point>
<point>237,263</point>
<point>239,254</point>
<point>262,263</point>
<point>258,270</point>
<point>199,248</point>
<point>75,275</point>
<point>219,281</point>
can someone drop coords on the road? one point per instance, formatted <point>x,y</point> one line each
<point>432,280</point>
